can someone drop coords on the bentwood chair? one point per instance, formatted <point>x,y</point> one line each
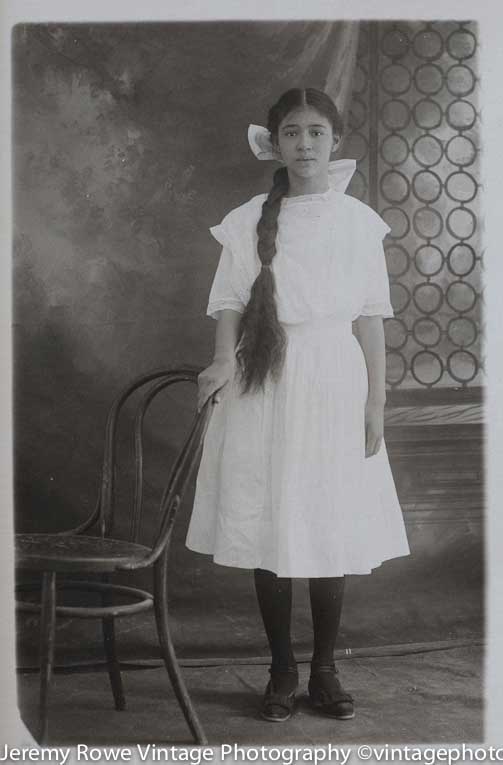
<point>78,552</point>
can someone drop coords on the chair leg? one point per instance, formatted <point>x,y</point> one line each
<point>47,638</point>
<point>113,666</point>
<point>114,673</point>
<point>168,651</point>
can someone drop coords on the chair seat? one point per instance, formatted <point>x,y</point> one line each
<point>57,552</point>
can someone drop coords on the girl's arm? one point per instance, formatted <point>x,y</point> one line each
<point>222,368</point>
<point>226,334</point>
<point>369,332</point>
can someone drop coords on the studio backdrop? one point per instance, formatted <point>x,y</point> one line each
<point>130,142</point>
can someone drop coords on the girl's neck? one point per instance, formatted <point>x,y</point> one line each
<point>300,187</point>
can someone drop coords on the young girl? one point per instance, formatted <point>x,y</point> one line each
<point>294,478</point>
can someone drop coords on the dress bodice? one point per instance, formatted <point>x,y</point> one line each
<point>329,257</point>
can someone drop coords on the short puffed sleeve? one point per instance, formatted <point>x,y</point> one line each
<point>239,265</point>
<point>223,293</point>
<point>376,300</point>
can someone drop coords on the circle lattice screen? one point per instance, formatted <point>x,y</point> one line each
<point>414,132</point>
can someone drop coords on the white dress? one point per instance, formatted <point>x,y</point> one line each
<point>283,483</point>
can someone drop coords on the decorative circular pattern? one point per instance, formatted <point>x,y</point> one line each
<point>427,114</point>
<point>461,187</point>
<point>426,367</point>
<point>356,146</point>
<point>427,222</point>
<point>461,115</point>
<point>394,150</point>
<point>428,79</point>
<point>427,186</point>
<point>429,260</point>
<point>461,44</point>
<point>400,297</point>
<point>427,150</point>
<point>462,331</point>
<point>460,80</point>
<point>462,366</point>
<point>461,259</point>
<point>434,301</point>
<point>427,332</point>
<point>397,220</point>
<point>461,151</point>
<point>461,223</point>
<point>428,44</point>
<point>359,185</point>
<point>395,79</point>
<point>396,367</point>
<point>428,297</point>
<point>395,114</point>
<point>357,114</point>
<point>396,333</point>
<point>397,260</point>
<point>395,43</point>
<point>460,296</point>
<point>395,187</point>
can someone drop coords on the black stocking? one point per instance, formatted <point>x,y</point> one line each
<point>274,596</point>
<point>326,595</point>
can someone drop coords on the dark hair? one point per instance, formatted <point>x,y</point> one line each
<point>263,340</point>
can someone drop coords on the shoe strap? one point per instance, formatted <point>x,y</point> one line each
<point>316,668</point>
<point>288,670</point>
<point>334,695</point>
<point>282,699</point>
<point>272,698</point>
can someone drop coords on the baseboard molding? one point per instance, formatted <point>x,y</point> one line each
<point>399,649</point>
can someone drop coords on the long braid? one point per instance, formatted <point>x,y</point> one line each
<point>263,339</point>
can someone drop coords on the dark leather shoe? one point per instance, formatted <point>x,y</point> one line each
<point>327,694</point>
<point>276,706</point>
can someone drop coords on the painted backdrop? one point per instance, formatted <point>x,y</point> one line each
<point>130,142</point>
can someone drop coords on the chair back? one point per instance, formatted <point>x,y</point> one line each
<point>148,387</point>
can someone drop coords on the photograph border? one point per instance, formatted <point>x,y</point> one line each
<point>489,16</point>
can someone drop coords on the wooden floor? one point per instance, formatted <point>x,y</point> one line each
<point>435,441</point>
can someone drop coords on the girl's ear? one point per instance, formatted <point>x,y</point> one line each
<point>276,150</point>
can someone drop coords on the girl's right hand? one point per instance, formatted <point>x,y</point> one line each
<point>213,380</point>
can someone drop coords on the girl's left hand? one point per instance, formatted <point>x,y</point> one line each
<point>374,427</point>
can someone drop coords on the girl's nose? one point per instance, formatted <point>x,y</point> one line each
<point>304,141</point>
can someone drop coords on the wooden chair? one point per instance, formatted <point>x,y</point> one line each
<point>77,552</point>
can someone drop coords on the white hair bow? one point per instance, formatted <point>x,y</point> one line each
<point>340,171</point>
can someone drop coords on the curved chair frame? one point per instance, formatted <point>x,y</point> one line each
<point>75,551</point>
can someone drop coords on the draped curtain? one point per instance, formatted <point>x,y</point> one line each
<point>130,141</point>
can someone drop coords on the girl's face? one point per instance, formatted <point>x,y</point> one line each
<point>304,143</point>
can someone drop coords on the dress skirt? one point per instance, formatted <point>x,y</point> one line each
<point>283,483</point>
